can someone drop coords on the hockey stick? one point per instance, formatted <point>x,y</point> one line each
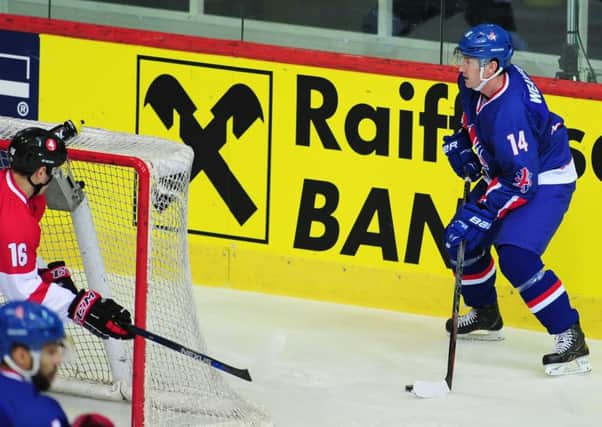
<point>429,389</point>
<point>237,372</point>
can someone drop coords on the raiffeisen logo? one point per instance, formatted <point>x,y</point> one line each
<point>223,114</point>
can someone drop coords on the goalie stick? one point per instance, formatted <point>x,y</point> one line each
<point>237,372</point>
<point>428,389</point>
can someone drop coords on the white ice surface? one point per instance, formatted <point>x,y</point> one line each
<point>325,365</point>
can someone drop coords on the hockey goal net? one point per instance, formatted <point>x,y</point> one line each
<point>129,240</point>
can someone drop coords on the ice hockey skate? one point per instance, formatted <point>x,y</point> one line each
<point>570,353</point>
<point>480,323</point>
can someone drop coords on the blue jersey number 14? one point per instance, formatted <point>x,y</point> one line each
<point>522,143</point>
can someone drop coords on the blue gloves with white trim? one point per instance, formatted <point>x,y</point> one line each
<point>458,149</point>
<point>471,223</point>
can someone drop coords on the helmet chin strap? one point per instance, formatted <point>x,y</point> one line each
<point>485,81</point>
<point>38,187</point>
<point>26,373</point>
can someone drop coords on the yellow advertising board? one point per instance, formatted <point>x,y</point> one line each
<point>316,182</point>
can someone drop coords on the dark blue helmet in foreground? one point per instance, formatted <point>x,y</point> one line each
<point>28,324</point>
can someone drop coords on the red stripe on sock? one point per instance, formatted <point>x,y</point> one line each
<point>481,274</point>
<point>546,294</point>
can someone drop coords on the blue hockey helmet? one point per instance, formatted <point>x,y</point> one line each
<point>28,324</point>
<point>487,42</point>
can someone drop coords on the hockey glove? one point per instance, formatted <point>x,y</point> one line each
<point>101,316</point>
<point>458,149</point>
<point>58,273</point>
<point>473,224</point>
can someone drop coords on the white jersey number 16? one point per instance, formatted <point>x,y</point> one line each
<point>18,254</point>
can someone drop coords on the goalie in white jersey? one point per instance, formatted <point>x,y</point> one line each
<point>34,154</point>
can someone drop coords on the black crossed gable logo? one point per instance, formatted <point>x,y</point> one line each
<point>166,96</point>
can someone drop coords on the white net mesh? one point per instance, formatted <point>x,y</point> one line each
<point>178,391</point>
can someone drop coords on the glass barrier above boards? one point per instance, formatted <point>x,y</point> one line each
<point>553,38</point>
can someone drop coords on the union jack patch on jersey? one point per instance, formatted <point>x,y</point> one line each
<point>523,179</point>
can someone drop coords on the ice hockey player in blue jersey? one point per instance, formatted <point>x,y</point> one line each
<point>518,151</point>
<point>31,349</point>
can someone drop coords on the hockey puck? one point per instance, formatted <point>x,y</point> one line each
<point>409,387</point>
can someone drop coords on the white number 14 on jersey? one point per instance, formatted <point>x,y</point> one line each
<point>522,143</point>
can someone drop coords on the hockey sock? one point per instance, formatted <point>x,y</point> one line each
<point>548,301</point>
<point>541,290</point>
<point>478,280</point>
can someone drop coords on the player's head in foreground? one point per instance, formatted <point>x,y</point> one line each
<point>34,154</point>
<point>483,52</point>
<point>31,341</point>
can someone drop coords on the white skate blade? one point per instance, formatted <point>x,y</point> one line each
<point>429,389</point>
<point>581,365</point>
<point>482,335</point>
